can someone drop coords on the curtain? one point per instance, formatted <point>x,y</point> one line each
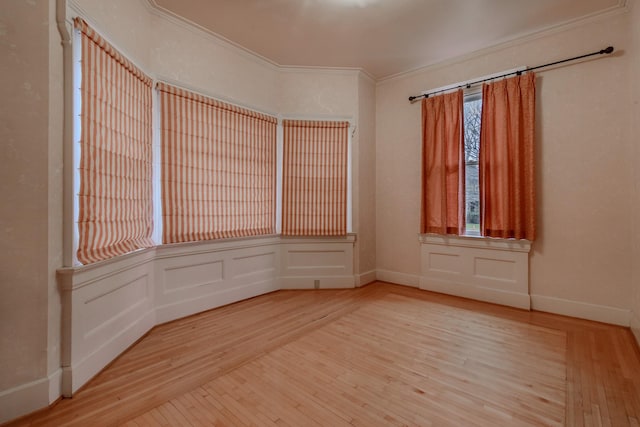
<point>218,168</point>
<point>507,188</point>
<point>442,165</point>
<point>115,212</point>
<point>314,195</point>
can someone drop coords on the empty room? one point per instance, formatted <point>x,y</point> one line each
<point>320,212</point>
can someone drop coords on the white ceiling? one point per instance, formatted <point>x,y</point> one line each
<point>383,37</point>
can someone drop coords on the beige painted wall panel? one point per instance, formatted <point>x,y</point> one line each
<point>24,71</point>
<point>194,58</point>
<point>124,23</point>
<point>364,182</point>
<point>634,52</point>
<point>583,152</point>
<point>317,93</point>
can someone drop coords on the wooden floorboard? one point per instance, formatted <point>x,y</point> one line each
<point>381,355</point>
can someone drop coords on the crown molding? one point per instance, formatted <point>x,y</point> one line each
<point>620,8</point>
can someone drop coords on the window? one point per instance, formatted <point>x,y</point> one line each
<point>315,178</point>
<point>472,118</point>
<point>114,197</point>
<point>173,165</point>
<point>218,168</point>
<point>478,161</point>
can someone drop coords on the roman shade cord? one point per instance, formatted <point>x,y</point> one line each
<point>607,51</point>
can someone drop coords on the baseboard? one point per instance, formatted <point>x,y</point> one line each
<point>180,309</point>
<point>55,385</point>
<point>405,279</point>
<point>324,282</point>
<point>635,326</point>
<point>365,278</point>
<point>492,295</point>
<point>581,310</point>
<point>80,373</point>
<point>29,397</point>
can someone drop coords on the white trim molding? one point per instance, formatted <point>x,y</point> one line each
<point>398,278</point>
<point>635,326</point>
<point>485,269</point>
<point>107,306</point>
<point>365,278</point>
<point>26,398</point>
<point>581,310</point>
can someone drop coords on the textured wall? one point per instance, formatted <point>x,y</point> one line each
<point>634,52</point>
<point>365,205</point>
<point>24,117</point>
<point>583,153</point>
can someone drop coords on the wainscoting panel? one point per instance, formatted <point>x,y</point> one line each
<point>321,263</point>
<point>109,305</point>
<point>195,277</point>
<point>106,307</point>
<point>493,270</point>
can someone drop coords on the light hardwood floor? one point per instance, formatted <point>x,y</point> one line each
<point>375,356</point>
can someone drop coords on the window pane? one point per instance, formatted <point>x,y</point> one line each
<point>472,115</point>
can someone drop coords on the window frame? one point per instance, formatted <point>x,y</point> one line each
<point>470,95</point>
<point>72,233</point>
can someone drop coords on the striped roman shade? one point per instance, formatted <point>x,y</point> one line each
<point>115,212</point>
<point>218,168</point>
<point>314,195</point>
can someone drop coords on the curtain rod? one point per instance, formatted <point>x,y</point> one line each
<point>607,50</point>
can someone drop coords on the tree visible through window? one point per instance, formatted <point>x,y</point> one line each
<point>472,118</point>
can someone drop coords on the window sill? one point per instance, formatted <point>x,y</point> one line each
<point>477,242</point>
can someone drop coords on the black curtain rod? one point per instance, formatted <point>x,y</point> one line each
<point>607,50</point>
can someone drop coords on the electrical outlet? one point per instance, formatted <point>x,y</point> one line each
<point>316,284</point>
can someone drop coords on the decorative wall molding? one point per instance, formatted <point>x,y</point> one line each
<point>366,278</point>
<point>29,397</point>
<point>317,263</point>
<point>621,7</point>
<point>582,310</point>
<point>492,270</point>
<point>635,326</point>
<point>109,305</point>
<point>398,278</point>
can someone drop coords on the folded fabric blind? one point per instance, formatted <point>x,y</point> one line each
<point>314,196</point>
<point>218,168</point>
<point>115,212</point>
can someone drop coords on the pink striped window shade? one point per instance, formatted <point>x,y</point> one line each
<point>115,206</point>
<point>314,195</point>
<point>218,168</point>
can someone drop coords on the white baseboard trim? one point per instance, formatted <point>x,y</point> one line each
<point>366,278</point>
<point>635,326</point>
<point>80,373</point>
<point>496,296</point>
<point>55,385</point>
<point>581,310</point>
<point>398,278</point>
<point>180,309</point>
<point>325,282</point>
<point>29,397</point>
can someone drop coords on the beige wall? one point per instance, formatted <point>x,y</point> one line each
<point>364,181</point>
<point>29,225</point>
<point>583,153</point>
<point>586,154</point>
<point>634,52</point>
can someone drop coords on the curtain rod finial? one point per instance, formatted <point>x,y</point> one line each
<point>607,50</point>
